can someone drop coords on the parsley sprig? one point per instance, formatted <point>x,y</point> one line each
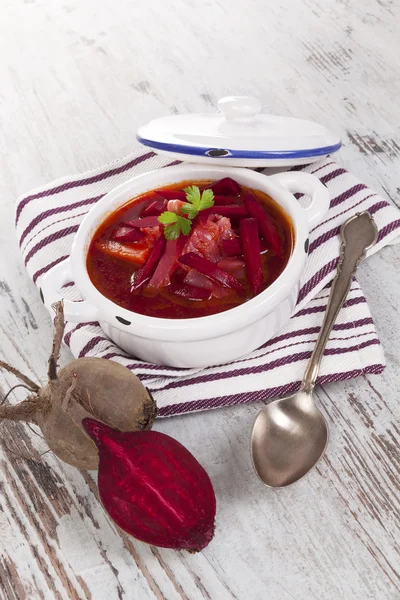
<point>175,225</point>
<point>196,201</point>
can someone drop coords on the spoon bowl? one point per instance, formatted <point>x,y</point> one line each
<point>289,437</point>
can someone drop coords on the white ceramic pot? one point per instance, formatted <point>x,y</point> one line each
<point>202,341</point>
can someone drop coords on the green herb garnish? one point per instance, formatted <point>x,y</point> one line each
<point>175,225</point>
<point>196,201</point>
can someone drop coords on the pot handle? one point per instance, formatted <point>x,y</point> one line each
<point>305,183</point>
<point>50,292</point>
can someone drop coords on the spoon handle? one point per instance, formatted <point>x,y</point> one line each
<point>359,233</point>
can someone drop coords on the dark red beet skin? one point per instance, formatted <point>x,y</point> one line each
<point>154,488</point>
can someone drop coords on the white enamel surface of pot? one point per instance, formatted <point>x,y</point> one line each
<point>239,134</point>
<point>203,341</point>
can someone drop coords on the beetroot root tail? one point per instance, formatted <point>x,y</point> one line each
<point>26,410</point>
<point>31,384</point>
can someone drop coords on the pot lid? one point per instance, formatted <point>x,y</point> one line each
<point>239,134</point>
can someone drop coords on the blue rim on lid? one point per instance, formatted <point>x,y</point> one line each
<point>227,153</point>
<point>239,135</point>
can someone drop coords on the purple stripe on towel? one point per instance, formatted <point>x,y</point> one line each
<point>81,182</point>
<point>47,268</point>
<point>347,194</point>
<point>55,211</point>
<point>247,397</point>
<point>315,279</point>
<point>336,230</point>
<point>50,239</point>
<point>67,337</point>
<point>274,364</point>
<point>388,229</point>
<point>91,344</point>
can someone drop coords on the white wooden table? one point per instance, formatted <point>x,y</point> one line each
<point>76,79</point>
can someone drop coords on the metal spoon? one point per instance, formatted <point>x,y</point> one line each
<point>290,435</point>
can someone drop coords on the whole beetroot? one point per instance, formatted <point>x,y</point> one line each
<point>86,387</point>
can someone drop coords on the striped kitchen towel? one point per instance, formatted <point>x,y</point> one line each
<point>48,218</point>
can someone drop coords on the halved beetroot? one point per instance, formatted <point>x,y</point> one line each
<point>226,187</point>
<point>153,487</point>
<point>251,251</point>
<point>265,224</point>
<point>143,275</point>
<point>210,269</point>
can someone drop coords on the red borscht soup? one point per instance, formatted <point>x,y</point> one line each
<point>191,249</point>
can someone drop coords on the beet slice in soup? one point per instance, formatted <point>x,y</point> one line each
<point>128,234</point>
<point>146,271</point>
<point>251,251</point>
<point>232,247</point>
<point>168,263</point>
<point>226,187</point>
<point>143,222</point>
<point>267,228</point>
<point>211,270</point>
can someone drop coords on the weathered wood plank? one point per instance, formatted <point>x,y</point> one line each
<point>77,79</point>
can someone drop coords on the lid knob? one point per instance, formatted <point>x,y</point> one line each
<point>240,108</point>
